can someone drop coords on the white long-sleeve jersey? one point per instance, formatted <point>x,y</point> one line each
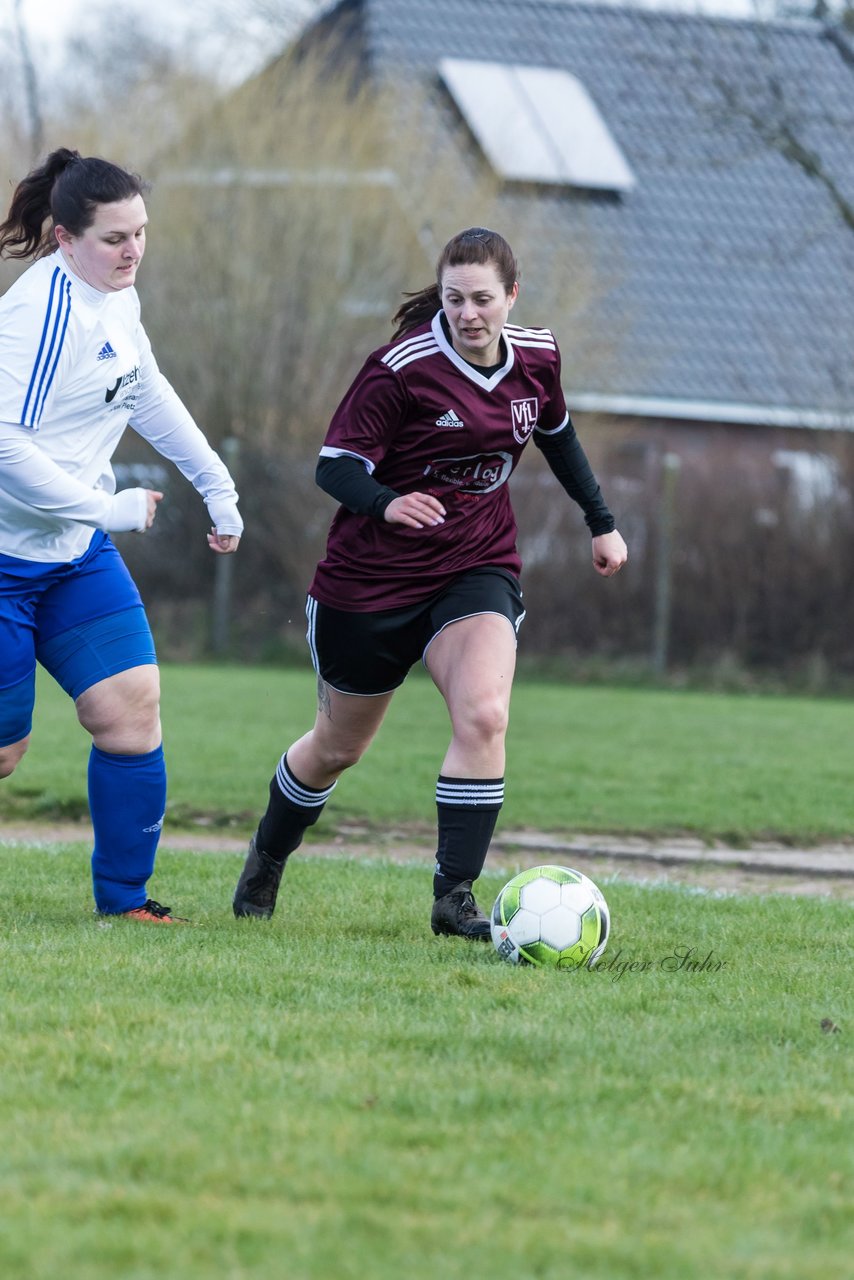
<point>76,369</point>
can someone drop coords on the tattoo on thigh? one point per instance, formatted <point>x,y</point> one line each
<point>324,702</point>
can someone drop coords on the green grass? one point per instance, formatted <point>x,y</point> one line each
<point>593,759</point>
<point>340,1094</point>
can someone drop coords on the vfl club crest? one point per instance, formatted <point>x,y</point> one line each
<point>524,417</point>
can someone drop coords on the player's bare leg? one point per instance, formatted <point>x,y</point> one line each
<point>345,726</point>
<point>472,663</point>
<point>12,755</point>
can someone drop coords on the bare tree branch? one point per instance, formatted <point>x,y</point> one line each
<point>31,87</point>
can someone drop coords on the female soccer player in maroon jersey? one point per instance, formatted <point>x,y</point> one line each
<point>421,560</point>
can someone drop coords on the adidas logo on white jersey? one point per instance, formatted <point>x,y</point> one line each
<point>449,419</point>
<point>106,352</point>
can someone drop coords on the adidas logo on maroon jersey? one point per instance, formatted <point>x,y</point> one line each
<point>449,419</point>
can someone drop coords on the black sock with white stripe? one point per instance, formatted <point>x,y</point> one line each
<point>467,810</point>
<point>293,807</point>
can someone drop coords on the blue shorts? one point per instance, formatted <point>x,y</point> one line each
<point>83,621</point>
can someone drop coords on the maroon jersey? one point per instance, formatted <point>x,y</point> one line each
<point>421,418</point>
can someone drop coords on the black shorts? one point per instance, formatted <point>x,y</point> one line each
<point>372,653</point>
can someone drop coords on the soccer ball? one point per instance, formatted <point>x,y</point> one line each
<point>552,917</point>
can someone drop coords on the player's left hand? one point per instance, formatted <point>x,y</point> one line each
<point>223,543</point>
<point>610,553</point>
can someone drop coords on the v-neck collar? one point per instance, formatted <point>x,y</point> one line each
<point>470,371</point>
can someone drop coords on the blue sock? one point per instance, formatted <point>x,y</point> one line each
<point>127,800</point>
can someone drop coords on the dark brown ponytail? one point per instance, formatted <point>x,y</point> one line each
<point>417,309</point>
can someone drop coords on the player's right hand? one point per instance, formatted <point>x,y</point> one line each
<point>131,510</point>
<point>152,497</point>
<point>416,510</point>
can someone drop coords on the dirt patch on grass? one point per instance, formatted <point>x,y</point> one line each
<point>823,871</point>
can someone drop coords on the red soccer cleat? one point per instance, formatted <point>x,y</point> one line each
<point>152,912</point>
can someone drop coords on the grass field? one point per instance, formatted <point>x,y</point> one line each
<point>643,761</point>
<point>340,1094</point>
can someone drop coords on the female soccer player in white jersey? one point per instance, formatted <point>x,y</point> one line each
<point>421,561</point>
<point>76,369</point>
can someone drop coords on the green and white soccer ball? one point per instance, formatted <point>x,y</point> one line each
<point>552,917</point>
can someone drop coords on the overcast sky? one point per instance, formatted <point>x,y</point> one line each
<point>50,22</point>
<point>53,18</point>
<point>217,31</point>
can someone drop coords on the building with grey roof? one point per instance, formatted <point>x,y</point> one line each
<point>724,272</point>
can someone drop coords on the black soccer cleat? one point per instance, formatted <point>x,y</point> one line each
<point>458,915</point>
<point>258,886</point>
